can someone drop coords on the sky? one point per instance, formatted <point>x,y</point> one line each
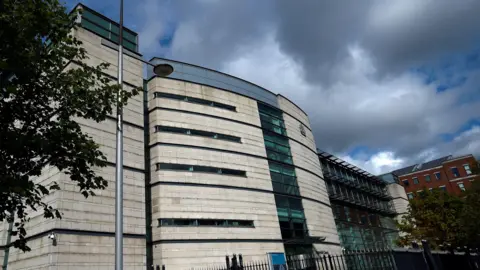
<point>386,84</point>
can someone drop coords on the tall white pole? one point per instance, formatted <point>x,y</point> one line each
<point>119,155</point>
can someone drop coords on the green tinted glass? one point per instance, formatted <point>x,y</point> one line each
<point>126,34</point>
<point>95,28</point>
<point>127,44</point>
<point>272,137</point>
<point>282,212</point>
<point>281,168</point>
<point>130,37</point>
<point>269,110</point>
<point>107,29</point>
<point>95,19</point>
<point>273,120</point>
<point>279,157</point>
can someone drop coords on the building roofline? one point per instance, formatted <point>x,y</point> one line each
<point>232,76</point>
<point>298,107</point>
<point>450,158</point>
<point>209,69</point>
<point>101,15</point>
<point>457,158</point>
<point>424,170</point>
<point>348,166</point>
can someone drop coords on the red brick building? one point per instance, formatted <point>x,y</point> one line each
<point>452,174</point>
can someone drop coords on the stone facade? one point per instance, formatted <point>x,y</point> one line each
<point>177,194</point>
<point>399,198</point>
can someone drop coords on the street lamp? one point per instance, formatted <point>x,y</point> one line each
<point>161,70</point>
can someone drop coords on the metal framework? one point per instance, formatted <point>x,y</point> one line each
<point>361,204</point>
<point>354,169</point>
<point>356,185</point>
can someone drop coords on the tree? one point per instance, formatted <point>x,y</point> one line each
<point>42,91</point>
<point>436,217</point>
<point>475,168</point>
<point>471,214</point>
<point>444,219</point>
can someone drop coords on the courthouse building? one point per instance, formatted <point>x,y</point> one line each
<point>213,165</point>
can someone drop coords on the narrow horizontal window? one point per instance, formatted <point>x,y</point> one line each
<point>196,101</point>
<point>197,168</point>
<point>167,222</point>
<point>196,132</point>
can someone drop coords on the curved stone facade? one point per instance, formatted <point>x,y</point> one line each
<point>183,114</point>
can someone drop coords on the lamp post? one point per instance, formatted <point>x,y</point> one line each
<point>161,70</point>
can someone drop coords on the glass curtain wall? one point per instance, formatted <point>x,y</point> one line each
<point>108,29</point>
<point>361,208</point>
<point>290,212</point>
<point>359,229</point>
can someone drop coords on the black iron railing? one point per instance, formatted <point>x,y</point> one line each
<point>419,258</point>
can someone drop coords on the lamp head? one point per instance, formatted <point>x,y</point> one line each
<point>163,70</point>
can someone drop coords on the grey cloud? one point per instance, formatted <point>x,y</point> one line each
<point>401,113</point>
<point>430,29</point>
<point>214,32</point>
<point>317,33</point>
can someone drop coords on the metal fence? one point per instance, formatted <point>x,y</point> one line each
<point>418,259</point>
<point>407,259</point>
<point>364,260</point>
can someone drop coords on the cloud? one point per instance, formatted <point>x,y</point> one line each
<point>212,33</point>
<point>379,163</point>
<point>366,72</point>
<point>157,19</point>
<point>263,61</point>
<point>386,161</point>
<point>409,32</point>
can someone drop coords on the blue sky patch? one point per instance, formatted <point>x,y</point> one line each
<point>362,152</point>
<point>451,71</point>
<point>448,137</point>
<point>167,38</point>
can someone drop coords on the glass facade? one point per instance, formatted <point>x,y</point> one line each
<point>360,229</point>
<point>361,206</point>
<point>108,29</point>
<point>293,224</point>
<point>390,178</point>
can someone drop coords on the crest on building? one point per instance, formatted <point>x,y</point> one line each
<point>302,130</point>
